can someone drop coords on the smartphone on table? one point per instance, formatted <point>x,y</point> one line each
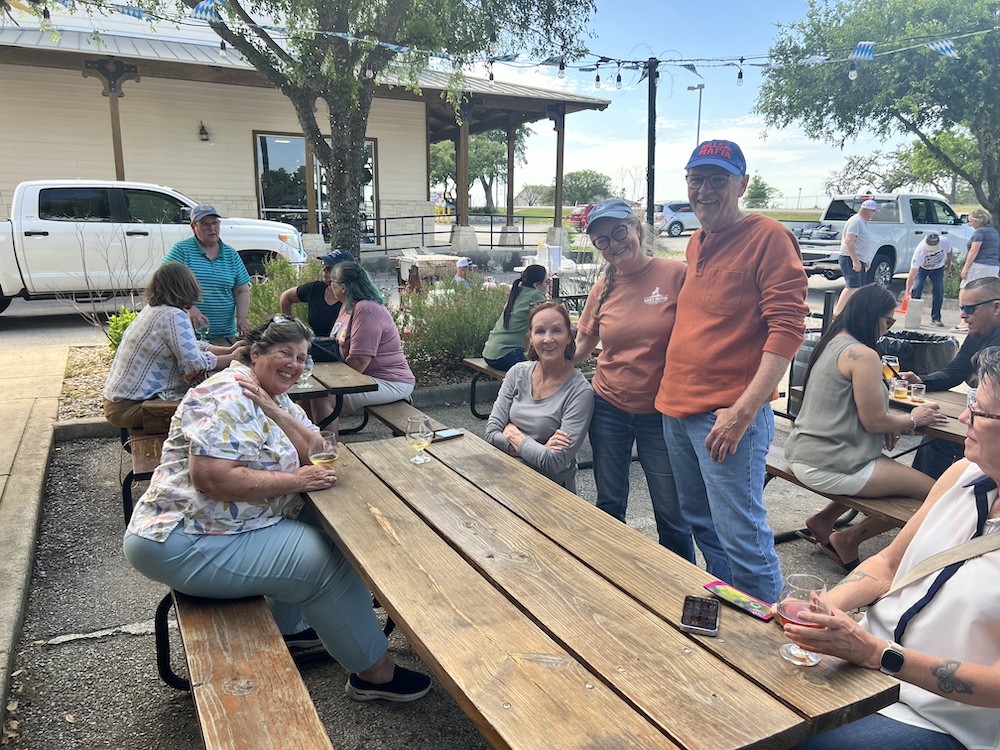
<point>447,434</point>
<point>700,615</point>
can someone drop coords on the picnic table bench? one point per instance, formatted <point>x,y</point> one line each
<point>554,625</point>
<point>480,368</point>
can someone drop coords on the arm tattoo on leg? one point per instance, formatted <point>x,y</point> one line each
<point>947,681</point>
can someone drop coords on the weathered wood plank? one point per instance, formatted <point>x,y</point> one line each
<point>692,696</point>
<point>519,687</point>
<point>343,378</point>
<point>828,695</point>
<point>479,364</point>
<point>394,416</point>
<point>247,690</point>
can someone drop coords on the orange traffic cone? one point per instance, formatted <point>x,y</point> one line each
<point>902,308</point>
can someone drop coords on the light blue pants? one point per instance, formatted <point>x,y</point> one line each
<point>612,434</point>
<point>293,563</point>
<point>724,501</point>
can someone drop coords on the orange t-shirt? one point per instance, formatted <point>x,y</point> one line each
<point>634,328</point>
<point>744,294</point>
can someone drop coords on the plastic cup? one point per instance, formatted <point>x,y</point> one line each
<point>900,389</point>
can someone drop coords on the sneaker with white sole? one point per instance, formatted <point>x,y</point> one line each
<point>405,686</point>
<point>303,641</point>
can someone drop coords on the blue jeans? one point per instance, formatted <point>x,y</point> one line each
<point>936,277</point>
<point>507,361</point>
<point>293,563</point>
<point>612,433</point>
<point>878,731</point>
<point>852,279</point>
<point>724,501</point>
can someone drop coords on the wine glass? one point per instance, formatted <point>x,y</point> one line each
<point>307,370</point>
<point>801,593</point>
<point>324,448</point>
<point>419,434</point>
<point>202,331</point>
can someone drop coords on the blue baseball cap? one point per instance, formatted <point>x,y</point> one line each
<point>337,256</point>
<point>613,208</point>
<point>200,211</point>
<point>725,154</point>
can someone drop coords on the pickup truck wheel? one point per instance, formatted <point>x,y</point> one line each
<point>675,229</point>
<point>881,269</point>
<point>5,303</point>
<point>254,261</point>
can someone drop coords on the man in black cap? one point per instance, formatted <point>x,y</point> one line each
<point>323,307</point>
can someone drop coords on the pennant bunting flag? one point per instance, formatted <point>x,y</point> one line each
<point>863,51</point>
<point>945,46</point>
<point>205,11</point>
<point>693,69</point>
<point>815,59</point>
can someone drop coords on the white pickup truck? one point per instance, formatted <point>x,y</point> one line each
<point>100,238</point>
<point>899,223</point>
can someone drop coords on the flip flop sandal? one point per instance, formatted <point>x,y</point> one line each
<point>828,550</point>
<point>805,535</point>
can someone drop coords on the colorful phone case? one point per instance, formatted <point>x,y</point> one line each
<point>747,603</point>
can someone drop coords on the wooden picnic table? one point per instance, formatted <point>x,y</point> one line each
<point>553,624</point>
<point>339,378</point>
<point>951,404</point>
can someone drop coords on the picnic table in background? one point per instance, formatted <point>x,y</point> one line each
<point>553,624</point>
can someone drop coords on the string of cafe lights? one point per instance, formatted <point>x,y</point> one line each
<point>206,12</point>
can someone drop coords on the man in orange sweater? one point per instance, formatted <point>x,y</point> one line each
<point>740,321</point>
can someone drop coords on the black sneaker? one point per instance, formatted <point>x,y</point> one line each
<point>303,640</point>
<point>405,685</point>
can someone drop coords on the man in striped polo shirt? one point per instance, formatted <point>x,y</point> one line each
<point>225,284</point>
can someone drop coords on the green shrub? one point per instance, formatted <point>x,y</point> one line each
<point>447,323</point>
<point>953,280</point>
<point>117,324</point>
<point>279,275</point>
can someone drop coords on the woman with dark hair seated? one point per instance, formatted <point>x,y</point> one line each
<point>224,518</point>
<point>323,307</point>
<point>159,355</point>
<point>836,443</point>
<point>544,406</point>
<point>505,345</point>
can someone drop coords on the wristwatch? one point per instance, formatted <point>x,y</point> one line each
<point>892,660</point>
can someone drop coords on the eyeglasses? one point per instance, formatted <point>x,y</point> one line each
<point>969,309</point>
<point>715,181</point>
<point>889,322</point>
<point>604,242</point>
<point>209,224</point>
<point>973,414</point>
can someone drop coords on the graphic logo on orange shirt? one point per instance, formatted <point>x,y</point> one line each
<point>655,298</point>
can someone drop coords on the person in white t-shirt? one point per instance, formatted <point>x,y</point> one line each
<point>931,260</point>
<point>856,252</point>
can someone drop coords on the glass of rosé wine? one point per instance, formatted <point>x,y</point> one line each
<point>801,593</point>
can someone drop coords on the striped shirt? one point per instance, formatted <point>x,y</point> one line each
<point>218,277</point>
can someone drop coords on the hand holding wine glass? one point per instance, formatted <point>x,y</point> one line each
<point>801,593</point>
<point>324,448</point>
<point>419,434</point>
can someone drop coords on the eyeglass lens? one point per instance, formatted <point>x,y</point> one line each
<point>715,181</point>
<point>603,243</point>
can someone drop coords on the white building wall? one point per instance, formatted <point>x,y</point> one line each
<point>57,125</point>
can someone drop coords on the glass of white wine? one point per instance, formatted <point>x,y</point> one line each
<point>307,370</point>
<point>419,434</point>
<point>324,448</point>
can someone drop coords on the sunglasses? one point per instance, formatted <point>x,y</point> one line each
<point>969,309</point>
<point>604,242</point>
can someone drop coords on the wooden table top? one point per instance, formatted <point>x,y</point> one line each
<point>950,403</point>
<point>536,610</point>
<point>340,378</point>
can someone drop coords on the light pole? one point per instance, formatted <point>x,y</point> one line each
<point>699,88</point>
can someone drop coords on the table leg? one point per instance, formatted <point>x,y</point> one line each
<point>337,408</point>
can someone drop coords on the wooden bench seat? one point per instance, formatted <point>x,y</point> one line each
<point>896,510</point>
<point>478,364</point>
<point>246,686</point>
<point>394,416</point>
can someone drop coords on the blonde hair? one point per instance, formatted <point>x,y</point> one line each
<point>645,242</point>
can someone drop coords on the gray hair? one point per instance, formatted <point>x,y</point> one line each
<point>983,216</point>
<point>281,329</point>
<point>987,363</point>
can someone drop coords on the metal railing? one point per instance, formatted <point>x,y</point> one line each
<point>428,231</point>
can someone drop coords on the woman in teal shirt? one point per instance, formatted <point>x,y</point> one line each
<point>505,346</point>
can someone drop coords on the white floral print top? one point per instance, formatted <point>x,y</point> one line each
<point>217,420</point>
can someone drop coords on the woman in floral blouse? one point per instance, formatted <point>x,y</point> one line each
<point>223,516</point>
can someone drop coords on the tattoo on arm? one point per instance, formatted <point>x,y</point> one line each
<point>851,354</point>
<point>947,681</point>
<point>858,575</point>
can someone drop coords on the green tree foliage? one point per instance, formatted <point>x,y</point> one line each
<point>930,170</point>
<point>487,161</point>
<point>538,195</point>
<point>759,194</point>
<point>916,91</point>
<point>585,186</point>
<point>880,171</point>
<point>330,80</point>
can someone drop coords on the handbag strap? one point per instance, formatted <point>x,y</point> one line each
<point>966,551</point>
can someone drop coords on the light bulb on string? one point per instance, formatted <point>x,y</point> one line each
<point>562,69</point>
<point>852,72</point>
<point>618,78</point>
<point>739,76</point>
<point>46,19</point>
<point>597,80</point>
<point>222,50</point>
<point>491,71</point>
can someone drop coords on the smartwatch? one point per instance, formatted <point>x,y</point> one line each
<point>892,660</point>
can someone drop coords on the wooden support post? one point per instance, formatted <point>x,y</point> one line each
<point>113,73</point>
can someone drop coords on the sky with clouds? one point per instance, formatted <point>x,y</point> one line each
<point>615,139</point>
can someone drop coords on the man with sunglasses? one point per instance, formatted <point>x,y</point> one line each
<point>225,284</point>
<point>740,321</point>
<point>979,303</point>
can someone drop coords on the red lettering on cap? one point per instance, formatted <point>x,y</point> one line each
<point>716,149</point>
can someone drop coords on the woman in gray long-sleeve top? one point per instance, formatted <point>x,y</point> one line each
<point>543,410</point>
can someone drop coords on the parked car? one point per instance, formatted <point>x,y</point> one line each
<point>578,216</point>
<point>674,217</point>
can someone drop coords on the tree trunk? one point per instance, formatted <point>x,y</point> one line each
<point>491,206</point>
<point>344,170</point>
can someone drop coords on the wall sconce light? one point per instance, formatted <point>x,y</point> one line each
<point>203,132</point>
